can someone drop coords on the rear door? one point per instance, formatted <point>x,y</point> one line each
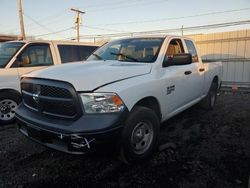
<point>198,70</point>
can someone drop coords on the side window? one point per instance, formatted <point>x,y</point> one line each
<point>71,53</point>
<point>36,55</point>
<point>67,53</point>
<point>192,50</point>
<point>85,51</point>
<point>175,47</point>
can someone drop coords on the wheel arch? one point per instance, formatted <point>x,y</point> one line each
<point>12,91</point>
<point>216,81</point>
<point>151,103</point>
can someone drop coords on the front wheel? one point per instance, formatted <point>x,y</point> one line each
<point>140,135</point>
<point>8,104</point>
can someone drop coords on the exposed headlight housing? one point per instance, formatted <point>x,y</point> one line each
<point>101,103</point>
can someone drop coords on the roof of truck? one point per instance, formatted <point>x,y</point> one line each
<point>56,42</point>
<point>156,36</point>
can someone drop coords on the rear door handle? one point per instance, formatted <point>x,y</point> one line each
<point>201,69</point>
<point>187,72</point>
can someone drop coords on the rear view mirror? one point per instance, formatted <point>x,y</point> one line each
<point>178,59</point>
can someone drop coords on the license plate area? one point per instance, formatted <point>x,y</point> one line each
<point>40,135</point>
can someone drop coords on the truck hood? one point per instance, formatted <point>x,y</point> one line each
<point>89,75</point>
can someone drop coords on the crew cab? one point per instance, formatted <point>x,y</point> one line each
<point>21,57</point>
<point>119,97</point>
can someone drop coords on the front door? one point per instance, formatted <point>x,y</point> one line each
<point>181,81</point>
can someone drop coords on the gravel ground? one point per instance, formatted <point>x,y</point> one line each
<point>197,149</point>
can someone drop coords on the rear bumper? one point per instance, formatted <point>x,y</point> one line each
<point>66,137</point>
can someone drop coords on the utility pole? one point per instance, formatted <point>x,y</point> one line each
<point>20,11</point>
<point>78,20</point>
<point>182,30</point>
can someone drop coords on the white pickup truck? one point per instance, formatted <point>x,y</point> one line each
<point>21,57</point>
<point>118,97</point>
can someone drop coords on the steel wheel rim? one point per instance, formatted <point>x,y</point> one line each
<point>7,109</point>
<point>142,137</point>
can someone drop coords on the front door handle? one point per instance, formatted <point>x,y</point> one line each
<point>201,69</point>
<point>187,72</point>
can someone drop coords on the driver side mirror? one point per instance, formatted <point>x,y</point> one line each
<point>178,59</point>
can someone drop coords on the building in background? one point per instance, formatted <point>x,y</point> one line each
<point>233,49</point>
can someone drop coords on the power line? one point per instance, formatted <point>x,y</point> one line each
<point>110,4</point>
<point>200,27</point>
<point>158,20</point>
<point>36,22</point>
<point>56,32</point>
<point>126,6</point>
<point>153,20</point>
<point>103,29</point>
<point>88,6</point>
<point>173,18</point>
<point>41,20</point>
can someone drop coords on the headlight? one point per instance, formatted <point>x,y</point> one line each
<point>101,102</point>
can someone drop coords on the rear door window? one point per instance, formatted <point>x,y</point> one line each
<point>71,53</point>
<point>192,50</point>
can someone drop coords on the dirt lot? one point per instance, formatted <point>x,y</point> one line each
<point>198,149</point>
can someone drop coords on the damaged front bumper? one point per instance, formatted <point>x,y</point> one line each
<point>72,137</point>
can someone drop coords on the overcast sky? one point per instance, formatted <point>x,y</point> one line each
<point>109,16</point>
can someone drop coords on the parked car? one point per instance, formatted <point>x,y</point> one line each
<point>118,97</point>
<point>21,57</point>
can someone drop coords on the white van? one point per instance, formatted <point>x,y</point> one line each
<point>21,57</point>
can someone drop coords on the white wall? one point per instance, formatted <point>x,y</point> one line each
<point>233,48</point>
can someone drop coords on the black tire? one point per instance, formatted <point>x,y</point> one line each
<point>209,101</point>
<point>8,103</point>
<point>139,121</point>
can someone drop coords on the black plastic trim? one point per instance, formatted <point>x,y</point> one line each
<point>59,84</point>
<point>104,129</point>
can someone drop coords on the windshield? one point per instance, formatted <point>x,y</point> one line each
<point>7,51</point>
<point>130,50</point>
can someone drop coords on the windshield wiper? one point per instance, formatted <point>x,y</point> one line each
<point>98,57</point>
<point>128,57</point>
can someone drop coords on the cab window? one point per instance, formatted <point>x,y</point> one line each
<point>71,53</point>
<point>35,55</point>
<point>175,47</point>
<point>192,50</point>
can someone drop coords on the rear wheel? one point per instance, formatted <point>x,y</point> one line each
<point>140,135</point>
<point>8,104</point>
<point>209,101</point>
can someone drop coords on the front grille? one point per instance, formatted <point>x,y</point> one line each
<point>51,98</point>
<point>49,91</point>
<point>55,92</point>
<point>52,107</point>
